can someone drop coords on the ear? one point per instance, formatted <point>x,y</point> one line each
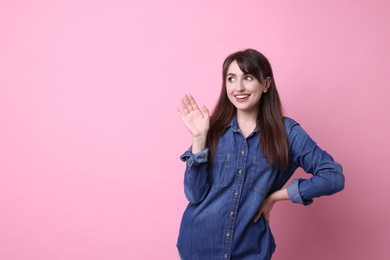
<point>268,81</point>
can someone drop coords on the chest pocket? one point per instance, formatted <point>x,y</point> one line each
<point>260,176</point>
<point>220,171</point>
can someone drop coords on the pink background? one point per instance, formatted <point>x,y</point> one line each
<point>89,137</point>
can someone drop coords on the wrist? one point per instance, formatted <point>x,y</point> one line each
<point>279,195</point>
<point>198,143</point>
<point>202,136</point>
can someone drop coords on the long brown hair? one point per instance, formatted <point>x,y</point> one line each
<point>270,122</point>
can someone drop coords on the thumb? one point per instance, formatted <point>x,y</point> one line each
<point>258,215</point>
<point>205,110</point>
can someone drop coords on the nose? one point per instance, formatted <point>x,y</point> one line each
<point>240,86</point>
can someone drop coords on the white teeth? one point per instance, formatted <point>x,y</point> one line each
<point>242,96</point>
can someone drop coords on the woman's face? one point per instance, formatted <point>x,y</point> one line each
<point>244,90</point>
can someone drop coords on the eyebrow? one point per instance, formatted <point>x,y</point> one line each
<point>244,74</point>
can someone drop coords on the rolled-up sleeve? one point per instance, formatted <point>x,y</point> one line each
<point>196,183</point>
<point>327,174</point>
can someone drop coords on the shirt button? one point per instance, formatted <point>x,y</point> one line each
<point>226,255</point>
<point>231,213</point>
<point>240,172</point>
<point>242,153</point>
<point>227,234</point>
<point>236,193</point>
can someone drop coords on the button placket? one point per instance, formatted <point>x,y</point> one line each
<point>235,198</point>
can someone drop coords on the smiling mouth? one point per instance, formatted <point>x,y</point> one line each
<point>242,97</point>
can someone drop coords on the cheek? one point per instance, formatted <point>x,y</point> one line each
<point>257,94</point>
<point>257,89</point>
<point>229,90</point>
<point>230,97</point>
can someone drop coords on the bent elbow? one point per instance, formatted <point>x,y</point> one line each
<point>340,184</point>
<point>338,180</point>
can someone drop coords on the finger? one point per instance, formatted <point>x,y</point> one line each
<point>179,112</point>
<point>187,103</point>
<point>205,110</point>
<point>266,217</point>
<point>257,216</point>
<point>184,107</point>
<point>193,103</point>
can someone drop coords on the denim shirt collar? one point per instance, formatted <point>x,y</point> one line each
<point>234,125</point>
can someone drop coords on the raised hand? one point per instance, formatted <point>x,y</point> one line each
<point>197,121</point>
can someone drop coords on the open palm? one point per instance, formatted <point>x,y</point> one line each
<point>195,120</point>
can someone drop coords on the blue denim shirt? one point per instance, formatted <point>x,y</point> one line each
<point>225,194</point>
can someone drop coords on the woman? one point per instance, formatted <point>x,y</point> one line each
<point>240,159</point>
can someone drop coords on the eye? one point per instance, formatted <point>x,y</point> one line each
<point>248,77</point>
<point>231,79</point>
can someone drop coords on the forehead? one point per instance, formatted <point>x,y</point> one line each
<point>234,69</point>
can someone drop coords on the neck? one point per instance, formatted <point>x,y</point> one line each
<point>246,121</point>
<point>245,116</point>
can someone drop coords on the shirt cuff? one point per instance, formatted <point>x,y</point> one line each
<point>295,195</point>
<point>195,159</point>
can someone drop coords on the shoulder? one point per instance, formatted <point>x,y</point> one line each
<point>294,131</point>
<point>289,124</point>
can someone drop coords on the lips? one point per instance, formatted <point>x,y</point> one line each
<point>242,97</point>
